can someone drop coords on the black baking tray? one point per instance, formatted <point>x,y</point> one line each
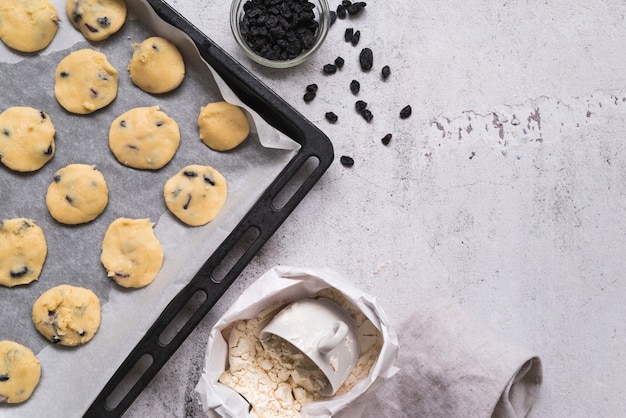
<point>228,261</point>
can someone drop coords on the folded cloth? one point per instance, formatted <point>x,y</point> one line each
<point>452,365</point>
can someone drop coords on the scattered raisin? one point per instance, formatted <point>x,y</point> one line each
<point>308,96</point>
<point>189,173</point>
<point>42,114</point>
<point>312,88</point>
<point>209,180</point>
<point>355,86</point>
<point>57,178</point>
<point>4,377</point>
<point>48,150</point>
<point>405,112</point>
<point>333,16</point>
<point>6,132</point>
<point>104,22</point>
<point>330,69</point>
<point>341,11</point>
<point>331,117</point>
<point>339,62</point>
<point>360,106</point>
<point>91,28</point>
<point>56,339</point>
<point>367,115</point>
<point>69,199</point>
<point>123,123</point>
<point>346,161</point>
<point>385,72</point>
<point>356,8</point>
<point>187,203</point>
<point>386,139</point>
<point>64,74</point>
<point>349,33</point>
<point>355,38</point>
<point>15,274</point>
<point>366,59</point>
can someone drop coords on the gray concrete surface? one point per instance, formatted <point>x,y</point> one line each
<point>504,191</point>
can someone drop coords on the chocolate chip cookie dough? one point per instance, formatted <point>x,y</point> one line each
<point>20,372</point>
<point>144,138</point>
<point>78,194</point>
<point>222,126</point>
<point>196,194</point>
<point>28,25</point>
<point>23,250</point>
<point>131,253</point>
<point>67,315</point>
<point>96,19</point>
<point>85,81</point>
<point>156,66</point>
<point>26,138</point>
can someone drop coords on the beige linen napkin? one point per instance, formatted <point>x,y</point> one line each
<point>452,365</point>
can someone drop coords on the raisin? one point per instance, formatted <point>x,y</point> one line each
<point>123,123</point>
<point>333,16</point>
<point>69,199</point>
<point>312,87</point>
<point>64,74</point>
<point>330,69</point>
<point>159,124</point>
<point>356,8</point>
<point>360,106</point>
<point>42,114</point>
<point>122,275</point>
<point>82,333</point>
<point>355,86</point>
<point>386,139</point>
<point>189,173</point>
<point>104,22</point>
<point>331,117</point>
<point>209,180</point>
<point>6,132</point>
<point>57,178</point>
<point>367,115</point>
<point>76,17</point>
<point>346,3</point>
<point>16,274</point>
<point>355,38</point>
<point>188,202</point>
<point>366,59</point>
<point>349,33</point>
<point>49,150</point>
<point>346,161</point>
<point>93,91</point>
<point>341,11</point>
<point>405,112</point>
<point>339,62</point>
<point>4,377</point>
<point>56,339</point>
<point>385,72</point>
<point>309,96</point>
<point>91,28</point>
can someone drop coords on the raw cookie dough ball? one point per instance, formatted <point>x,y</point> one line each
<point>144,137</point>
<point>77,195</point>
<point>222,126</point>
<point>26,138</point>
<point>131,253</point>
<point>23,250</point>
<point>156,66</point>
<point>20,372</point>
<point>96,19</point>
<point>196,194</point>
<point>67,315</point>
<point>28,25</point>
<point>85,81</point>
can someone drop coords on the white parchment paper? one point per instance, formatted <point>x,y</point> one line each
<point>72,377</point>
<point>284,284</point>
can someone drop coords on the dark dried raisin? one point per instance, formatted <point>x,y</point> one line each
<point>308,96</point>
<point>15,274</point>
<point>385,72</point>
<point>208,179</point>
<point>341,12</point>
<point>187,203</point>
<point>57,178</point>
<point>104,22</point>
<point>348,34</point>
<point>355,38</point>
<point>366,59</point>
<point>123,123</point>
<point>6,132</point>
<point>69,199</point>
<point>48,150</point>
<point>346,161</point>
<point>405,112</point>
<point>64,74</point>
<point>91,28</point>
<point>190,173</point>
<point>360,106</point>
<point>4,377</point>
<point>339,62</point>
<point>333,16</point>
<point>355,86</point>
<point>330,69</point>
<point>356,8</point>
<point>331,117</point>
<point>312,87</point>
<point>56,339</point>
<point>367,115</point>
<point>386,139</point>
<point>42,114</point>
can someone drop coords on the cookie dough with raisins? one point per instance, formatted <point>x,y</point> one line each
<point>222,126</point>
<point>96,19</point>
<point>85,81</point>
<point>28,25</point>
<point>20,372</point>
<point>23,251</point>
<point>78,194</point>
<point>156,66</point>
<point>67,315</point>
<point>144,138</point>
<point>26,138</point>
<point>196,194</point>
<point>131,253</point>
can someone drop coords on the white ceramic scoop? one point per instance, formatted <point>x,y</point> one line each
<point>324,332</point>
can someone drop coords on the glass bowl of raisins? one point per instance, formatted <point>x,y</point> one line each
<point>280,33</point>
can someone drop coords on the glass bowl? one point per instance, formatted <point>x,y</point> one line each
<point>321,13</point>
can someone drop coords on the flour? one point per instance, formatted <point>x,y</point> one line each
<point>275,377</point>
